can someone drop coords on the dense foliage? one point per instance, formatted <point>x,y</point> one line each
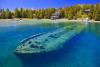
<point>72,12</point>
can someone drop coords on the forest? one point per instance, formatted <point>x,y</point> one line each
<point>71,12</point>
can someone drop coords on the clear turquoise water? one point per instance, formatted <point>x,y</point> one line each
<point>81,51</point>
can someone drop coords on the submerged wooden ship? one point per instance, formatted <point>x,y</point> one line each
<point>51,41</point>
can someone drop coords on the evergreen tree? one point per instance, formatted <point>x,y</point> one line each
<point>2,14</point>
<point>8,14</point>
<point>97,12</point>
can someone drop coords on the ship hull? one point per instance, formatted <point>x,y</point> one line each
<point>52,54</point>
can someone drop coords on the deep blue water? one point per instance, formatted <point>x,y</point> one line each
<point>81,51</point>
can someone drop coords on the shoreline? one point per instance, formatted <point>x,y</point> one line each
<point>15,22</point>
<point>43,19</point>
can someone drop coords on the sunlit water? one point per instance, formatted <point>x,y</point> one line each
<point>81,51</point>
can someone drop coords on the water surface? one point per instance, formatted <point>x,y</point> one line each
<point>80,51</point>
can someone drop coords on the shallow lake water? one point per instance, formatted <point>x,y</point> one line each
<point>82,50</point>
